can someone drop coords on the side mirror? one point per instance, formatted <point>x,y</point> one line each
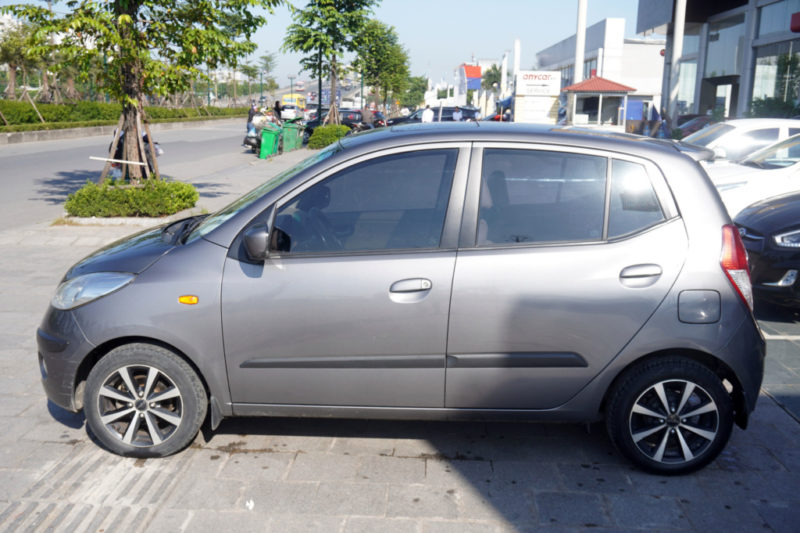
<point>719,153</point>
<point>256,242</point>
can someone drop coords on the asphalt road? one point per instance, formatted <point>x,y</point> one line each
<point>37,177</point>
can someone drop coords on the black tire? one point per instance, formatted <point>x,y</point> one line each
<point>669,415</point>
<point>163,413</point>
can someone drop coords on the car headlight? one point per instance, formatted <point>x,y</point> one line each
<point>788,240</point>
<point>83,289</point>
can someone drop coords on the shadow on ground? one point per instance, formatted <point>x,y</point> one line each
<point>55,190</point>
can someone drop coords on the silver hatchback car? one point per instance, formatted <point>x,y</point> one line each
<point>428,271</point>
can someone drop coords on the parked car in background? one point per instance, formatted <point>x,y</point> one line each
<point>695,124</point>
<point>770,230</point>
<point>768,172</point>
<point>467,113</point>
<point>735,139</point>
<point>348,117</point>
<point>455,271</point>
<point>290,112</point>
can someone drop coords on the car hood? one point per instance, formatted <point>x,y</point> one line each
<point>132,254</point>
<point>772,214</point>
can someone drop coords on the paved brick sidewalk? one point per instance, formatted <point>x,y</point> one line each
<point>287,475</point>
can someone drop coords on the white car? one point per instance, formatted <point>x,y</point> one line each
<point>735,139</point>
<point>768,172</point>
<point>289,111</point>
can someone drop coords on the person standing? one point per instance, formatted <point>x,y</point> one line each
<point>277,109</point>
<point>457,115</point>
<point>366,118</point>
<point>427,115</point>
<point>250,114</point>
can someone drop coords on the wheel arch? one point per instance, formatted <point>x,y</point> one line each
<point>716,365</point>
<point>100,351</point>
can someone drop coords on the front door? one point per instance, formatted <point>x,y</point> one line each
<point>351,307</point>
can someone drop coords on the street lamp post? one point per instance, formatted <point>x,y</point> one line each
<point>291,88</point>
<point>261,74</point>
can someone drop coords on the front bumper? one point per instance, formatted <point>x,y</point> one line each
<point>775,275</point>
<point>62,347</point>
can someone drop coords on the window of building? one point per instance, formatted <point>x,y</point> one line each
<point>588,67</point>
<point>726,46</point>
<point>777,72</point>
<point>686,80</point>
<point>388,203</point>
<point>532,196</point>
<point>691,39</point>
<point>775,18</point>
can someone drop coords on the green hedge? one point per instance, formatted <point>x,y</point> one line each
<point>325,135</point>
<point>65,125</point>
<point>116,198</point>
<point>22,112</point>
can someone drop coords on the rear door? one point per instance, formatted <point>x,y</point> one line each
<point>564,256</point>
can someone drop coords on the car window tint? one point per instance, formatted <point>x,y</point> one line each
<point>540,196</point>
<point>634,204</point>
<point>392,202</point>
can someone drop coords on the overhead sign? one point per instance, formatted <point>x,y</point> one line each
<point>538,83</point>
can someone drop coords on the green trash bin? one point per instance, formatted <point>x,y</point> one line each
<point>292,136</point>
<point>270,136</point>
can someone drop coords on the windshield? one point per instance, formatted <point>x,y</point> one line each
<point>783,154</point>
<point>708,135</point>
<point>216,219</point>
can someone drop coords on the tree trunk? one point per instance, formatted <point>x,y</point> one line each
<point>132,80</point>
<point>44,91</point>
<point>71,92</point>
<point>333,114</point>
<point>11,89</point>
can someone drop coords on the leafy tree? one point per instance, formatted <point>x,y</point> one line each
<point>251,73</point>
<point>324,30</point>
<point>267,64</point>
<point>155,47</point>
<point>415,92</point>
<point>492,75</point>
<point>382,60</point>
<point>14,41</point>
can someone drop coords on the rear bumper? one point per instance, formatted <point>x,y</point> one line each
<point>745,354</point>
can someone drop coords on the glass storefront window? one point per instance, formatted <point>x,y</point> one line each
<point>691,38</point>
<point>588,67</point>
<point>686,78</point>
<point>777,73</point>
<point>726,44</point>
<point>774,18</point>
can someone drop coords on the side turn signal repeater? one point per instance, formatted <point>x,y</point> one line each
<point>188,299</point>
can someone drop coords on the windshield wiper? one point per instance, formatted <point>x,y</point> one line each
<point>751,163</point>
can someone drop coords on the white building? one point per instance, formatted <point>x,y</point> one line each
<point>638,63</point>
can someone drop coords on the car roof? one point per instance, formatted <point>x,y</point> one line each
<point>761,122</point>
<point>516,132</point>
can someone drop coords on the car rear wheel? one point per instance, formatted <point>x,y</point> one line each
<point>670,415</point>
<point>144,401</point>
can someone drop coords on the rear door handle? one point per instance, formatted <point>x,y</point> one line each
<point>638,276</point>
<point>411,285</point>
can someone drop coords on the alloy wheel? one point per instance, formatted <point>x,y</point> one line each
<point>140,405</point>
<point>674,421</point>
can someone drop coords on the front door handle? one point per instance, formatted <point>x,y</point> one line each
<point>638,276</point>
<point>411,285</point>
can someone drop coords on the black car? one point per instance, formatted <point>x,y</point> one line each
<point>770,230</point>
<point>349,117</point>
<point>467,113</point>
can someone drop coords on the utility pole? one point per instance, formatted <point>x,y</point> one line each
<point>261,74</point>
<point>291,87</point>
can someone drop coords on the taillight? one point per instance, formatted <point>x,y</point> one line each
<point>734,263</point>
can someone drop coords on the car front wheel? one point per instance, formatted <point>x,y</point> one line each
<point>144,401</point>
<point>670,415</point>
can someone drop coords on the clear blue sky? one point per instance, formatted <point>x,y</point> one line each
<point>441,34</point>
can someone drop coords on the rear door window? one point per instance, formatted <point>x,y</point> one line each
<point>535,196</point>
